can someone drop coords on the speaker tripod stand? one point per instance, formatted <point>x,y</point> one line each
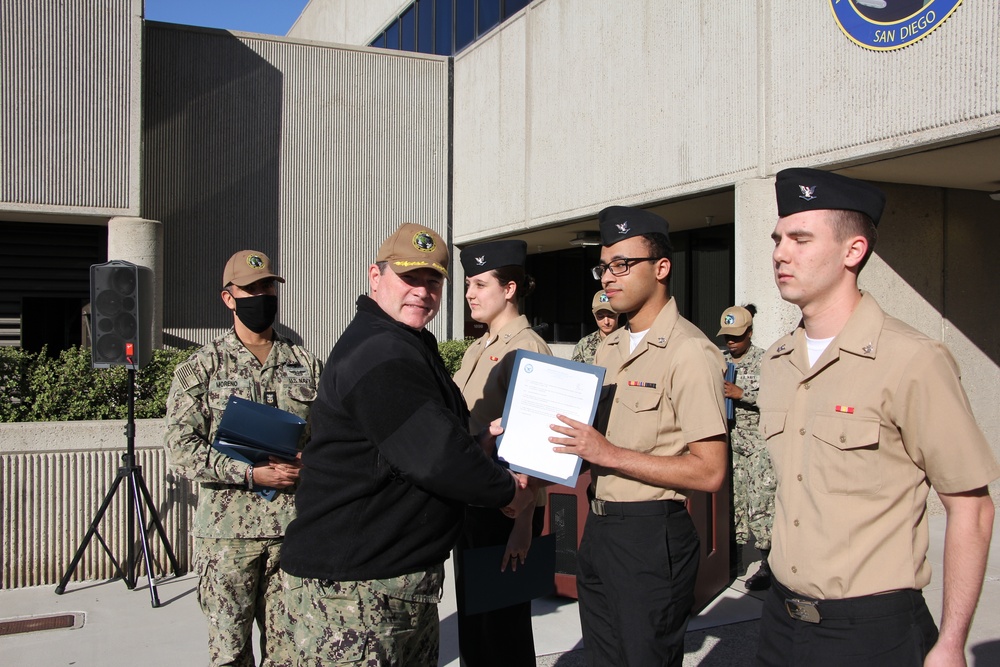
<point>138,499</point>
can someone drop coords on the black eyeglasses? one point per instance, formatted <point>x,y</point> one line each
<point>619,267</point>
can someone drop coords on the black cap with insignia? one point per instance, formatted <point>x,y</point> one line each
<point>622,222</point>
<point>800,189</point>
<point>484,257</point>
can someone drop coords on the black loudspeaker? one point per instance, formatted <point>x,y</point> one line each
<point>121,317</point>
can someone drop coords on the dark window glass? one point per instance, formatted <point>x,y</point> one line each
<point>465,23</point>
<point>442,27</point>
<point>392,36</point>
<point>425,26</point>
<point>489,15</point>
<point>379,41</point>
<point>408,30</point>
<point>511,7</point>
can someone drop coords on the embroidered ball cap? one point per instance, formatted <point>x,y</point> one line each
<point>735,321</point>
<point>248,266</point>
<point>618,223</point>
<point>800,189</point>
<point>601,303</point>
<point>484,257</point>
<point>414,246</point>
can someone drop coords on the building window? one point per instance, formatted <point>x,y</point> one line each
<point>444,27</point>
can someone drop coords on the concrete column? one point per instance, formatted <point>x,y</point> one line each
<point>140,241</point>
<point>756,214</point>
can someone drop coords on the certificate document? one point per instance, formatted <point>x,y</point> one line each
<point>542,387</point>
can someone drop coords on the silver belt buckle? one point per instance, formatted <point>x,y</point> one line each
<point>803,610</point>
<point>597,507</point>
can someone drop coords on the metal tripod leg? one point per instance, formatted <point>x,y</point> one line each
<point>61,588</point>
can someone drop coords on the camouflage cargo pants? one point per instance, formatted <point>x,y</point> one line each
<point>240,583</point>
<point>367,623</point>
<point>754,484</point>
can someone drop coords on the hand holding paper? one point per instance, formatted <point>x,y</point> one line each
<point>583,440</point>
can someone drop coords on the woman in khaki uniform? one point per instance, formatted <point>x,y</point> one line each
<point>495,282</point>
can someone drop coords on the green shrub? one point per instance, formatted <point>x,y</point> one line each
<point>35,387</point>
<point>452,351</point>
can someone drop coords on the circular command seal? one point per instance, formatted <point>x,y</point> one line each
<point>885,25</point>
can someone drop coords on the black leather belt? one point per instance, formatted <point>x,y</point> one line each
<point>644,508</point>
<point>810,610</point>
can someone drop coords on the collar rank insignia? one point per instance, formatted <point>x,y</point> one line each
<point>780,349</point>
<point>868,348</point>
<point>661,340</point>
<point>808,192</point>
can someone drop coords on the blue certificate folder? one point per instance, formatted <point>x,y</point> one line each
<point>487,588</point>
<point>252,432</point>
<point>541,387</point>
<point>730,377</point>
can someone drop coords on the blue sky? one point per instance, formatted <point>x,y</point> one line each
<point>271,17</point>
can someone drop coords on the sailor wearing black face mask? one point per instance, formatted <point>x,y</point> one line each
<point>238,534</point>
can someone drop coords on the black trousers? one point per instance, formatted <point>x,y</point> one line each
<point>876,630</point>
<point>636,587</point>
<point>502,637</point>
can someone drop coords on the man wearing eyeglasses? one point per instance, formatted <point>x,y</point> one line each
<point>666,434</point>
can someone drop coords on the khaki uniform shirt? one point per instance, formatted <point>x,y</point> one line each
<point>486,371</point>
<point>487,367</point>
<point>857,440</point>
<point>669,393</point>
<point>198,395</point>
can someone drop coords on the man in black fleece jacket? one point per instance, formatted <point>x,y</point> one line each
<point>386,475</point>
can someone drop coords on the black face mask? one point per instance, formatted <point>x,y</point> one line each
<point>257,312</point>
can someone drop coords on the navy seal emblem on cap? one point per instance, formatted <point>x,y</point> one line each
<point>423,242</point>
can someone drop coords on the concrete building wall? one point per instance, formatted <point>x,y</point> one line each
<point>69,109</point>
<point>345,21</point>
<point>562,111</point>
<point>310,153</point>
<point>828,101</point>
<point>53,478</point>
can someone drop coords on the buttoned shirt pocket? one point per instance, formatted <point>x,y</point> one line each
<point>641,414</point>
<point>844,458</point>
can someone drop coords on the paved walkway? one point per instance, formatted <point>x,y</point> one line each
<point>119,628</point>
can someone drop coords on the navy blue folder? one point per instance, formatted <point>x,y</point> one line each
<point>253,432</point>
<point>487,588</point>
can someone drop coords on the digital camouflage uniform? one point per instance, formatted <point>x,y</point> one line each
<point>375,622</point>
<point>585,350</point>
<point>237,533</point>
<point>753,477</point>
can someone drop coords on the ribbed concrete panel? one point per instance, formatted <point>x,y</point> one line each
<point>69,116</point>
<point>49,499</point>
<point>345,21</point>
<point>628,103</point>
<point>830,100</point>
<point>310,153</point>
